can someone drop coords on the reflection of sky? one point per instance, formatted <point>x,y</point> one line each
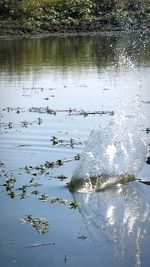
<point>86,90</point>
<point>119,218</point>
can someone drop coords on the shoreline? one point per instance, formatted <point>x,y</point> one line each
<point>73,34</point>
<point>10,29</point>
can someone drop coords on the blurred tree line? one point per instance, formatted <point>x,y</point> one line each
<point>63,9</point>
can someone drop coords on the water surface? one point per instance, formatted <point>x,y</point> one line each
<point>58,89</point>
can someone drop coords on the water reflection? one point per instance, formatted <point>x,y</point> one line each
<point>97,51</point>
<point>118,219</point>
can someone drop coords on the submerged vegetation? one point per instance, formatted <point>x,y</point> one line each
<point>71,15</point>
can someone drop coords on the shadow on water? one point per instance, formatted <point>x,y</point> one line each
<point>117,220</point>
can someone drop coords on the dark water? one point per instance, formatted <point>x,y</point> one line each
<point>53,92</point>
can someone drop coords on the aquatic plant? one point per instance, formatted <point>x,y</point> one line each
<point>44,197</point>
<point>40,245</point>
<point>1,164</point>
<point>12,194</point>
<point>56,200</point>
<point>148,160</point>
<point>77,157</point>
<point>61,177</point>
<point>83,237</point>
<point>39,121</point>
<point>74,204</point>
<point>51,111</point>
<point>26,123</point>
<point>147,130</point>
<point>65,258</point>
<point>43,168</point>
<point>35,192</point>
<point>9,183</point>
<point>40,224</point>
<point>22,192</point>
<point>71,142</point>
<point>54,140</point>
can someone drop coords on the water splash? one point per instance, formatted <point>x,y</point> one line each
<point>114,154</point>
<point>117,220</point>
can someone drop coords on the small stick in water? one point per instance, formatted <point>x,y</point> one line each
<point>39,245</point>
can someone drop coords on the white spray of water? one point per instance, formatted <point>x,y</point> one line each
<point>113,154</point>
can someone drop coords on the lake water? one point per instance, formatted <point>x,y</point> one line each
<point>53,92</point>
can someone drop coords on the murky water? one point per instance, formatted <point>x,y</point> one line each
<point>53,93</point>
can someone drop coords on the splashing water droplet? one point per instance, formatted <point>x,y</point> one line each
<point>114,154</point>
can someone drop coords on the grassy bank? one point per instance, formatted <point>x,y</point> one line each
<point>50,16</point>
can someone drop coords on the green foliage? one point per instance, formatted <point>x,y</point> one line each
<point>9,8</point>
<point>132,5</point>
<point>72,8</point>
<point>102,6</point>
<point>36,16</point>
<point>66,9</point>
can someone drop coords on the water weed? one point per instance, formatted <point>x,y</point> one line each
<point>40,224</point>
